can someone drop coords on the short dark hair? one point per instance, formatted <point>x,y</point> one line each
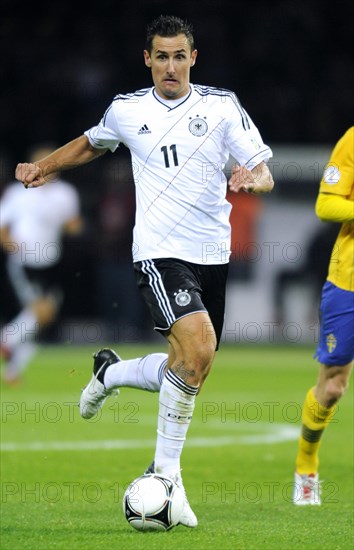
<point>168,25</point>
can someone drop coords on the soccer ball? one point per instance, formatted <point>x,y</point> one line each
<point>153,502</point>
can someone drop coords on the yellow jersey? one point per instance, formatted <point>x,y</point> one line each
<point>338,183</point>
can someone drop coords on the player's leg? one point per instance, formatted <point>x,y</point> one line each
<point>318,410</point>
<point>24,328</point>
<point>160,282</point>
<point>335,352</point>
<point>17,362</point>
<point>192,350</point>
<point>332,383</point>
<point>172,290</point>
<point>196,297</point>
<point>190,360</point>
<point>110,373</point>
<point>32,310</point>
<point>28,322</point>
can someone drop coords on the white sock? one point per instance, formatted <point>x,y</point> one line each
<point>176,405</point>
<point>145,373</point>
<point>19,359</point>
<point>22,329</point>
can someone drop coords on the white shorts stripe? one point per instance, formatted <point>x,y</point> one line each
<point>158,289</point>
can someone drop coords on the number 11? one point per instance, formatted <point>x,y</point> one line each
<point>173,148</point>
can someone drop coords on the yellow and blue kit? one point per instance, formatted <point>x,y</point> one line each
<point>336,203</point>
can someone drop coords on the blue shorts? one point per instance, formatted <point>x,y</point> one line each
<point>336,342</point>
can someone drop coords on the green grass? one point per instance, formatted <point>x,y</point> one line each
<point>237,463</point>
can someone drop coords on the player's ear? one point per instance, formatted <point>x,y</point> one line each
<point>147,58</point>
<point>194,57</point>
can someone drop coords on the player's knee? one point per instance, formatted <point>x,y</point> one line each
<point>194,363</point>
<point>45,310</point>
<point>203,355</point>
<point>335,389</point>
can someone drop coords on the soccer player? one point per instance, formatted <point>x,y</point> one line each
<point>335,351</point>
<point>180,136</point>
<point>31,230</point>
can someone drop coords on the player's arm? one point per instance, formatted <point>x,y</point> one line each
<point>258,180</point>
<point>6,241</point>
<point>74,226</point>
<point>73,154</point>
<point>334,208</point>
<point>4,236</point>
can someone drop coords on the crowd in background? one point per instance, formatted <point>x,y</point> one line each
<point>290,63</point>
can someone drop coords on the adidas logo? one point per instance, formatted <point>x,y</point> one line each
<point>144,130</point>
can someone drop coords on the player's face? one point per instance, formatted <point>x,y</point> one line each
<point>170,62</point>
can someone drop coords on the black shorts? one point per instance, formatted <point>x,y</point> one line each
<point>25,284</point>
<point>173,288</point>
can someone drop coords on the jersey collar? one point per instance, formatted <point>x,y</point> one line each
<point>171,104</point>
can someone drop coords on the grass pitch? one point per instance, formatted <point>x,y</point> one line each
<point>63,478</point>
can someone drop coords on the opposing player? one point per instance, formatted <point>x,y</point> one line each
<point>335,352</point>
<point>31,231</point>
<point>180,136</point>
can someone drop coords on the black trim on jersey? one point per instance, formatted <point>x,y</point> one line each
<point>131,95</point>
<point>168,107</point>
<point>105,115</point>
<point>212,90</point>
<point>258,153</point>
<point>125,97</point>
<point>223,92</point>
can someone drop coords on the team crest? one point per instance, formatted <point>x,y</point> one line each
<point>331,342</point>
<point>182,297</point>
<point>198,127</point>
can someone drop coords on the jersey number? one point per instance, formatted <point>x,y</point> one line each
<point>164,150</point>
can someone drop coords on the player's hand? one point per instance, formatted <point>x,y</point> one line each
<point>241,179</point>
<point>30,174</point>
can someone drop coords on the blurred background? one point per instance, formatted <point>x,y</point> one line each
<point>291,65</point>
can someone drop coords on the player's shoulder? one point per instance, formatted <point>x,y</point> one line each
<point>12,189</point>
<point>62,188</point>
<point>345,145</point>
<point>131,97</point>
<point>349,135</point>
<point>222,98</point>
<point>213,91</point>
<point>61,183</point>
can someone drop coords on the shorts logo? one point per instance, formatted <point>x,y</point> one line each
<point>331,342</point>
<point>198,126</point>
<point>182,297</point>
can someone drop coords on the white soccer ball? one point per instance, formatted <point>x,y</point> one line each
<point>153,502</point>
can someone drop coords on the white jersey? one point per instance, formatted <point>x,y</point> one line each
<point>35,218</point>
<point>179,150</point>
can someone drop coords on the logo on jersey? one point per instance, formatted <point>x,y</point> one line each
<point>182,297</point>
<point>255,144</point>
<point>197,126</point>
<point>331,342</point>
<point>331,175</point>
<point>144,130</point>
